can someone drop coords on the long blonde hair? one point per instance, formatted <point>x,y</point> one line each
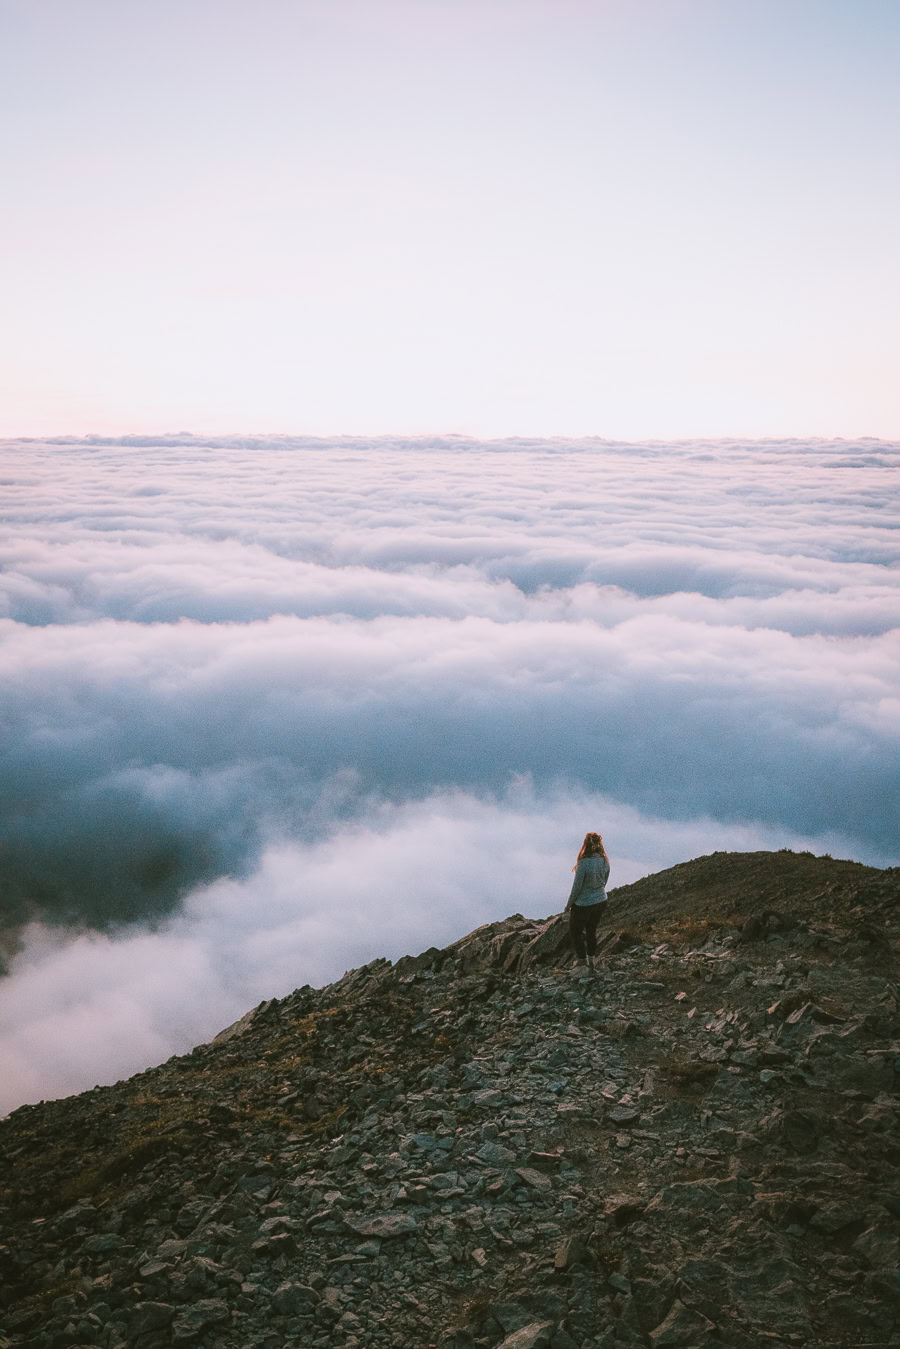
<point>592,847</point>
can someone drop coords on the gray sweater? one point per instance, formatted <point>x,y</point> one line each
<point>589,885</point>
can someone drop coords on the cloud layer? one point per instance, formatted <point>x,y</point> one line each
<point>219,657</point>
<point>795,536</point>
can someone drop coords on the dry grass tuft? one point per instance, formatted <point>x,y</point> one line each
<point>689,1077</point>
<point>688,931</point>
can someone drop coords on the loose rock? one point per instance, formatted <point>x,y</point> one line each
<point>484,1146</point>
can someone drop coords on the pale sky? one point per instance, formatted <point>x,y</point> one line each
<point>624,218</point>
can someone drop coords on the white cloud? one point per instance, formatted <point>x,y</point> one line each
<point>141,758</point>
<point>242,532</point>
<point>219,653</point>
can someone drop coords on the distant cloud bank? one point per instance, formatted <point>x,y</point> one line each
<point>280,705</point>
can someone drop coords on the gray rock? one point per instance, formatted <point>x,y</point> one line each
<point>171,1250</point>
<point>535,1179</point>
<point>384,1226</point>
<point>495,1154</point>
<point>536,1335</point>
<point>463,1110</point>
<point>511,1316</point>
<point>622,1114</point>
<point>272,1226</point>
<point>572,1251</point>
<point>147,1316</point>
<point>489,1096</point>
<point>154,1268</point>
<point>835,1216</point>
<point>198,1317</point>
<point>103,1243</point>
<point>290,1298</point>
<point>682,1326</point>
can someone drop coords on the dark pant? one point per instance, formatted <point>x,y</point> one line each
<point>583,920</point>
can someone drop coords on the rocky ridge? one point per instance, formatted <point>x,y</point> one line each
<point>484,1146</point>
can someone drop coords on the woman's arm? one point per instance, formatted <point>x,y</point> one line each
<point>576,887</point>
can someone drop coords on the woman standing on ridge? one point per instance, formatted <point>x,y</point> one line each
<point>587,894</point>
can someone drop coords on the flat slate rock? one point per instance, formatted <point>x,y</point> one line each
<point>622,1114</point>
<point>535,1336</point>
<point>383,1225</point>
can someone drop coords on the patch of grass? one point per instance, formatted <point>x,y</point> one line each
<point>582,1139</point>
<point>607,1256</point>
<point>835,1006</point>
<point>618,1029</point>
<point>199,1076</point>
<point>689,1077</point>
<point>142,1150</point>
<point>81,1186</point>
<point>325,1124</point>
<point>688,931</point>
<point>474,1312</point>
<point>61,1287</point>
<point>156,1126</point>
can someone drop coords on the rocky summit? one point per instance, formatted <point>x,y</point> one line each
<point>486,1146</point>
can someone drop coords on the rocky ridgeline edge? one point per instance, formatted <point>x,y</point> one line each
<point>483,1146</point>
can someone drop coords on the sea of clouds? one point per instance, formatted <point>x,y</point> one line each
<point>274,706</point>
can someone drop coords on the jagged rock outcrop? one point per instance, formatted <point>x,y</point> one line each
<point>483,1146</point>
